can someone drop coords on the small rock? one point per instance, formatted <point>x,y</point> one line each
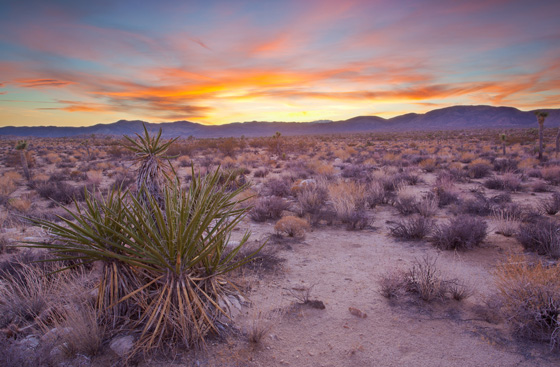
<point>122,345</point>
<point>357,313</point>
<point>30,342</point>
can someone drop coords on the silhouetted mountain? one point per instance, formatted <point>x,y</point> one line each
<point>450,118</point>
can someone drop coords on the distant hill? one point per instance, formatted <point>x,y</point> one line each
<point>450,118</point>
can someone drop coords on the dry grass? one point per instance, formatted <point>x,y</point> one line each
<point>531,298</point>
<point>292,227</point>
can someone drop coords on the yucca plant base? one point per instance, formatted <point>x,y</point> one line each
<point>165,266</point>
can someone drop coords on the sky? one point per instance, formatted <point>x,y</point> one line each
<point>74,63</point>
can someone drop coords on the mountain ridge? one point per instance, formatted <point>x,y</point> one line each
<point>448,118</point>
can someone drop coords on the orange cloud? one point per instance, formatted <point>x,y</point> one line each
<point>39,83</point>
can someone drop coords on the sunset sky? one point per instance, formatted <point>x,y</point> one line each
<point>66,63</point>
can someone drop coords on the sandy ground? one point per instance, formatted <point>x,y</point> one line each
<point>343,268</point>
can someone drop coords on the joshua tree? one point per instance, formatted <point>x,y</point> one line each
<point>503,139</point>
<point>541,116</point>
<point>21,145</point>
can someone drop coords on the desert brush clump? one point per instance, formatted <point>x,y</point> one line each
<point>292,226</point>
<point>425,280</point>
<point>413,228</point>
<point>541,236</point>
<point>163,250</point>
<point>530,295</point>
<point>552,205</point>
<point>460,233</point>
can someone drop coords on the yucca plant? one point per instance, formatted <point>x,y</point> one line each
<point>154,170</point>
<point>165,268</point>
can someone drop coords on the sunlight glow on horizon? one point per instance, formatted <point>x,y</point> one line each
<point>80,64</point>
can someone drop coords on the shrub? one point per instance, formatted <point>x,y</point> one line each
<point>277,187</point>
<point>406,204</point>
<point>425,280</point>
<point>461,233</point>
<point>542,237</point>
<point>530,295</point>
<point>292,226</point>
<point>428,206</point>
<point>414,228</point>
<point>551,206</point>
<point>269,207</point>
<point>479,170</point>
<point>164,268</point>
<point>356,219</point>
<point>505,165</point>
<point>507,223</point>
<point>376,194</point>
<point>263,172</point>
<point>61,192</point>
<point>349,199</point>
<point>311,199</point>
<point>478,205</point>
<point>551,174</point>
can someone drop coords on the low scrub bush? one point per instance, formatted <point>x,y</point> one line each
<point>542,237</point>
<point>478,205</point>
<point>269,207</point>
<point>61,192</point>
<point>311,200</point>
<point>479,170</point>
<point>425,280</point>
<point>530,295</point>
<point>406,204</point>
<point>415,228</point>
<point>292,227</point>
<point>460,233</point>
<point>428,206</point>
<point>278,187</point>
<point>552,205</point>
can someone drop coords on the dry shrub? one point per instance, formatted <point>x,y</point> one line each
<point>270,207</point>
<point>261,325</point>
<point>460,233</point>
<point>60,191</point>
<point>425,280</point>
<point>321,168</point>
<point>414,228</point>
<point>376,194</point>
<point>479,170</point>
<point>528,163</point>
<point>311,200</point>
<point>348,200</point>
<point>477,205</point>
<point>507,223</point>
<point>531,298</point>
<point>552,205</point>
<point>27,295</point>
<point>405,202</point>
<point>542,236</point>
<point>278,187</point>
<point>22,204</point>
<point>392,284</point>
<point>428,165</point>
<point>83,332</point>
<point>8,184</point>
<point>95,177</point>
<point>428,206</point>
<point>292,227</point>
<point>551,174</point>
